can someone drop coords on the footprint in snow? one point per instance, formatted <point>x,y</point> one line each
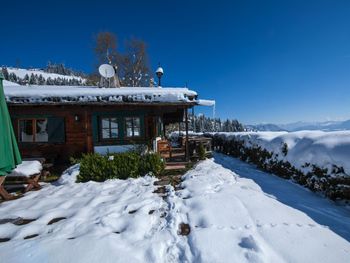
<point>249,243</point>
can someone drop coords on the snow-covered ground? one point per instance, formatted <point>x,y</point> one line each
<point>320,148</point>
<point>236,214</point>
<point>9,83</point>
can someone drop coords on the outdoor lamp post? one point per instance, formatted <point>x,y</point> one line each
<point>159,73</point>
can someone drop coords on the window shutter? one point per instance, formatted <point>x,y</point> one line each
<point>95,128</point>
<point>56,130</point>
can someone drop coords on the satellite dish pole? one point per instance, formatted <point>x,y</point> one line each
<point>107,72</point>
<point>116,82</point>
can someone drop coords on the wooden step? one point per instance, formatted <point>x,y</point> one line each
<point>176,163</point>
<point>175,167</point>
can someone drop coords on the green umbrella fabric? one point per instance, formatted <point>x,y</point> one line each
<point>9,153</point>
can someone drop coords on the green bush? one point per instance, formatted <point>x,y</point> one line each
<point>201,152</point>
<point>96,167</point>
<point>124,165</point>
<point>151,163</point>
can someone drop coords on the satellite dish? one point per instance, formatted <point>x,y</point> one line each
<point>106,71</point>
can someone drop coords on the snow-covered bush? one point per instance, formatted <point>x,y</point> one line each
<point>316,160</point>
<point>96,167</point>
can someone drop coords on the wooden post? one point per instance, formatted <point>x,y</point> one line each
<point>186,125</point>
<point>193,123</point>
<point>163,128</point>
<point>88,132</point>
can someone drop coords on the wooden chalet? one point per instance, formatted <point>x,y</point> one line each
<point>59,122</point>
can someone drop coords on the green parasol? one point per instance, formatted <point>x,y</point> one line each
<point>9,153</point>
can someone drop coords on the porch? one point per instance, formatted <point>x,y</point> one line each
<point>179,152</point>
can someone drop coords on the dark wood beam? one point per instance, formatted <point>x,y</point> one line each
<point>186,125</point>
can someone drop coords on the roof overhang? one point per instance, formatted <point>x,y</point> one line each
<point>209,103</point>
<point>66,95</point>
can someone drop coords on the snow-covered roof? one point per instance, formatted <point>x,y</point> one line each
<point>87,94</point>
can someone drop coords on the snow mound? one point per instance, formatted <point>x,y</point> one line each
<point>320,148</point>
<point>27,168</point>
<point>69,176</point>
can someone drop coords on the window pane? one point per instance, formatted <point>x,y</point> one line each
<point>106,134</point>
<point>137,127</point>
<point>136,122</point>
<point>114,133</point>
<point>114,123</point>
<point>105,123</point>
<point>41,131</point>
<point>129,132</point>
<point>128,122</point>
<point>136,131</point>
<point>109,128</point>
<point>26,131</point>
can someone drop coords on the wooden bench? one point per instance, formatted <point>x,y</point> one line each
<point>28,172</point>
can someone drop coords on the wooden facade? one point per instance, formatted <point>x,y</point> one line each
<point>75,129</point>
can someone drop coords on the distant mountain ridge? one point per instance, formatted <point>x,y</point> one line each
<point>264,127</point>
<point>299,126</point>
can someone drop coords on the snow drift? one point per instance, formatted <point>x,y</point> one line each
<point>323,149</point>
<point>316,159</point>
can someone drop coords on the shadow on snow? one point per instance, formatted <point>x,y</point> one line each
<point>320,209</point>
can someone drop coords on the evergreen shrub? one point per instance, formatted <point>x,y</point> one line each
<point>201,152</point>
<point>96,167</point>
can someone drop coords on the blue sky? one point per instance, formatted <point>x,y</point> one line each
<point>262,61</point>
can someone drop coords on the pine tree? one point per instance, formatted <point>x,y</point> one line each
<point>5,73</point>
<point>41,80</point>
<point>32,79</point>
<point>26,79</point>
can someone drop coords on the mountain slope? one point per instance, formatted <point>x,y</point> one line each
<point>39,77</point>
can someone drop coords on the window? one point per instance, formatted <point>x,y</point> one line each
<point>109,128</point>
<point>133,127</point>
<point>33,130</point>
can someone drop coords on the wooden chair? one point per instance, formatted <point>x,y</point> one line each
<point>164,148</point>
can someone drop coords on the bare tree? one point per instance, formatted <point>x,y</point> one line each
<point>132,67</point>
<point>135,65</point>
<point>106,47</point>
